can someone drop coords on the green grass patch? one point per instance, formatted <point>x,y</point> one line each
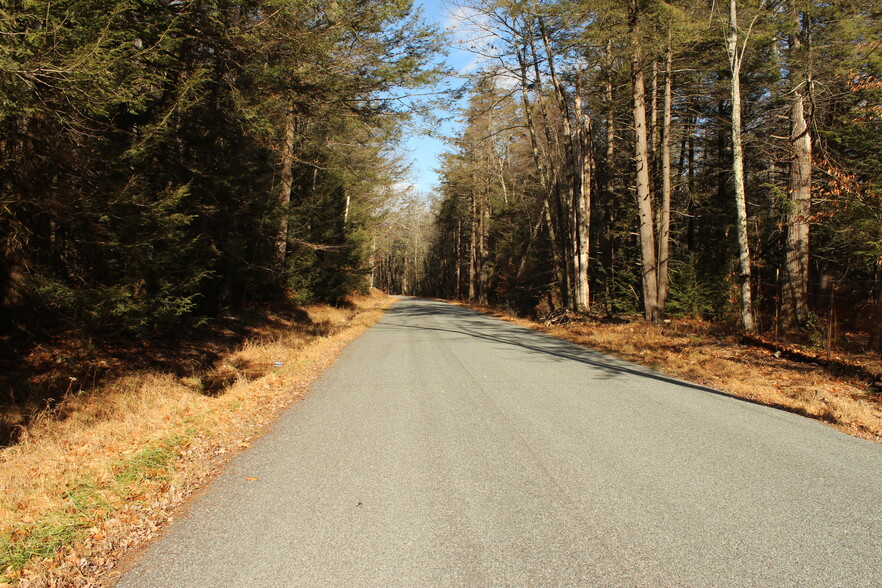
<point>151,464</point>
<point>85,506</point>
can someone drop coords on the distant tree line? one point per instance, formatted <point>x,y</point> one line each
<point>716,159</point>
<point>167,159</point>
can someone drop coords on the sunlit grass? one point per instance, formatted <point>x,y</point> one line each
<point>93,477</point>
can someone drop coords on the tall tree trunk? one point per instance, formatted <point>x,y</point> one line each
<point>738,168</point>
<point>690,184</point>
<point>583,205</point>
<point>665,226</point>
<point>458,260</point>
<point>473,250</point>
<point>610,187</point>
<point>795,300</point>
<point>483,249</point>
<point>373,262</point>
<point>876,329</point>
<point>654,127</point>
<point>405,283</point>
<point>284,198</point>
<point>641,153</point>
<point>575,257</point>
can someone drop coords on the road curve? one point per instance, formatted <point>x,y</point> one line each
<point>446,447</point>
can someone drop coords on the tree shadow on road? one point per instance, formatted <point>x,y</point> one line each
<point>474,324</point>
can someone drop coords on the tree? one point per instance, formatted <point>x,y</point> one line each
<point>736,56</point>
<point>713,167</point>
<point>799,209</point>
<point>173,159</point>
<point>641,155</point>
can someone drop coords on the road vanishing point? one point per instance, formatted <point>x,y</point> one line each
<point>449,448</point>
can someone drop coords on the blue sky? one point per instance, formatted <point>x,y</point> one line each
<point>424,151</point>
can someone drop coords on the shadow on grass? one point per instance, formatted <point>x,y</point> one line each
<point>37,374</point>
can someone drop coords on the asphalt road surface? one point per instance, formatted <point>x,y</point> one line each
<point>449,448</point>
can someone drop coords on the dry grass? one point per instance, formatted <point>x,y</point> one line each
<point>696,351</point>
<point>97,474</point>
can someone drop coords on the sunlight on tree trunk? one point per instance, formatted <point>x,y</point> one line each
<point>641,153</point>
<point>738,168</point>
<point>583,203</point>
<point>665,226</point>
<point>799,209</point>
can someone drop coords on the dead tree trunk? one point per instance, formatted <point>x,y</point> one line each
<point>573,174</point>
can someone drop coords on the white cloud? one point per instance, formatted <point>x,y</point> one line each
<point>472,33</point>
<point>463,19</point>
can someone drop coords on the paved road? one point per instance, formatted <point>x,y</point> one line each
<point>449,448</point>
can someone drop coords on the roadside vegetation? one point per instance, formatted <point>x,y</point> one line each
<point>165,169</point>
<point>96,474</point>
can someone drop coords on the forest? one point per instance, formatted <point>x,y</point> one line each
<point>707,159</point>
<point>164,161</point>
